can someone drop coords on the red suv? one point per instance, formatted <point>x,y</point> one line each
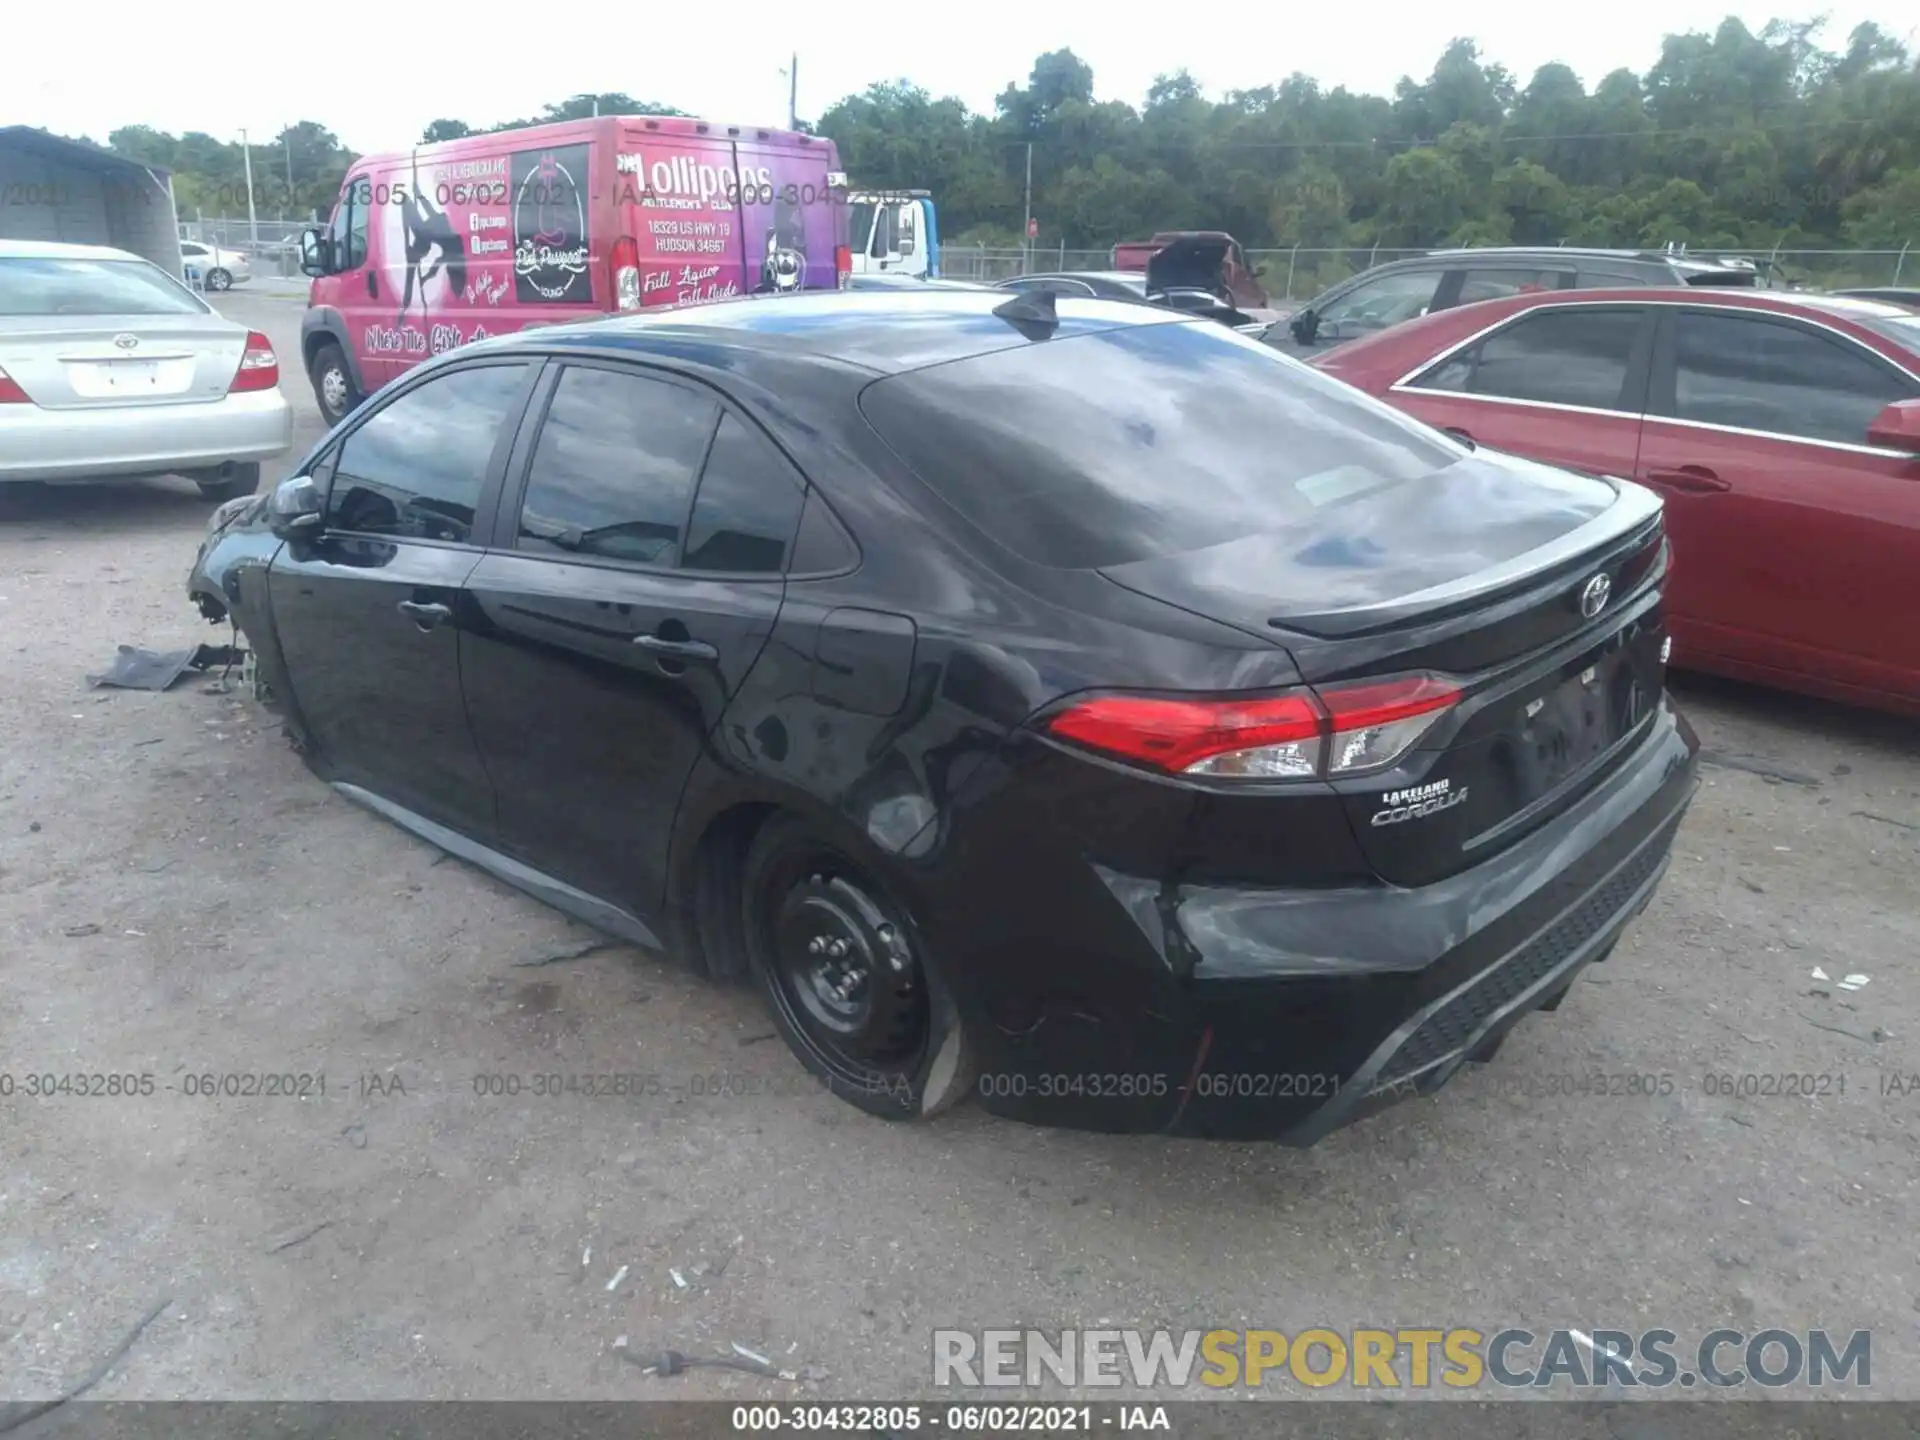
<point>1783,432</point>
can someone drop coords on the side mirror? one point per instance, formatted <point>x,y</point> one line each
<point>314,259</point>
<point>1897,427</point>
<point>1303,325</point>
<point>295,508</point>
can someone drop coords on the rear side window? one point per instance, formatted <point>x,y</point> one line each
<point>48,286</point>
<point>415,468</point>
<point>1774,376</point>
<point>613,470</point>
<point>1556,357</point>
<point>1492,284</point>
<point>1125,444</point>
<point>748,507</point>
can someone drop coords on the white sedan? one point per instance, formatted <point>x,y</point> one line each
<point>219,269</point>
<point>111,368</point>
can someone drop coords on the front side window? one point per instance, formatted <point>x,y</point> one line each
<point>1771,375</point>
<point>1378,304</point>
<point>1555,357</point>
<point>416,467</point>
<point>613,470</point>
<point>349,228</point>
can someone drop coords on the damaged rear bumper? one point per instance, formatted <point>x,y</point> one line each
<point>1302,1011</point>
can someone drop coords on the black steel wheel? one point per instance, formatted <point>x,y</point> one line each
<point>845,975</point>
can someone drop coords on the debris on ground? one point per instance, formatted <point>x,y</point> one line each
<point>76,931</point>
<point>618,1276</point>
<point>136,669</point>
<point>579,952</point>
<point>16,1419</point>
<point>673,1362</point>
<point>1886,820</point>
<point>1854,982</point>
<point>298,1237</point>
<point>1756,767</point>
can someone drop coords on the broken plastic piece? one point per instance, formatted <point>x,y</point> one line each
<point>1853,982</point>
<point>1820,974</point>
<point>618,1276</point>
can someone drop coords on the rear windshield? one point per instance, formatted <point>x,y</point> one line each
<point>48,286</point>
<point>1142,441</point>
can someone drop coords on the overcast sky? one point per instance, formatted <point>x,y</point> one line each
<point>377,74</point>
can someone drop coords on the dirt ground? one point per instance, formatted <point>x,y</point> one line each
<point>180,898</point>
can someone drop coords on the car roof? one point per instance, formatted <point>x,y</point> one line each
<point>884,331</point>
<point>57,250</point>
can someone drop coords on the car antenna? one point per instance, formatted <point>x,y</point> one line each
<point>1029,311</point>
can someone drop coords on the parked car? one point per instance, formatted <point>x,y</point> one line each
<point>1783,431</point>
<point>1027,692</point>
<point>1402,290</point>
<point>1130,286</point>
<point>1209,260</point>
<point>218,269</point>
<point>437,247</point>
<point>111,368</point>
<point>1890,294</point>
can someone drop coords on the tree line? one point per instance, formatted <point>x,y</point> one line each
<point>1733,139</point>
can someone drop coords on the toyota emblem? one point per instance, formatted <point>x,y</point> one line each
<point>126,342</point>
<point>1594,595</point>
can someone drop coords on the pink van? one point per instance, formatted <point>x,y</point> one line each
<point>450,243</point>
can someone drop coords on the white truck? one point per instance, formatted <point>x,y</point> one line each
<point>894,232</point>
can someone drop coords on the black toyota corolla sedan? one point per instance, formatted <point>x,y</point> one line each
<point>1070,704</point>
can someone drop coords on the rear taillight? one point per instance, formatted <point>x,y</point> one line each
<point>10,391</point>
<point>1304,734</point>
<point>259,366</point>
<point>843,265</point>
<point>625,264</point>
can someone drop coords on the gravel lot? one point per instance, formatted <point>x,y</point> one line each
<point>179,897</point>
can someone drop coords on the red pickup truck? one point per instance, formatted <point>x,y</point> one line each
<point>1194,259</point>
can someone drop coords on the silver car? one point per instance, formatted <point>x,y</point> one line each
<point>111,368</point>
<point>218,269</point>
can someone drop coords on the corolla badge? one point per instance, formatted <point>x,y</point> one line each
<point>1595,594</point>
<point>126,342</point>
<point>1419,801</point>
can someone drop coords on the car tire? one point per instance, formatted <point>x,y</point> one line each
<point>847,977</point>
<point>244,480</point>
<point>333,385</point>
<point>218,279</point>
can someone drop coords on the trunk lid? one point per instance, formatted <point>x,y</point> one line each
<point>78,361</point>
<point>1554,692</point>
<point>1190,263</point>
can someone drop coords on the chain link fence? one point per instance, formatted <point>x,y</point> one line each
<point>1297,274</point>
<point>1290,276</point>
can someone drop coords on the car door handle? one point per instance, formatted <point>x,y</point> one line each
<point>1463,437</point>
<point>677,649</point>
<point>1694,479</point>
<point>373,284</point>
<point>424,615</point>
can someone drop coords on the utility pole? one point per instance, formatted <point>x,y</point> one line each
<point>253,225</point>
<point>1026,230</point>
<point>293,206</point>
<point>793,93</point>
